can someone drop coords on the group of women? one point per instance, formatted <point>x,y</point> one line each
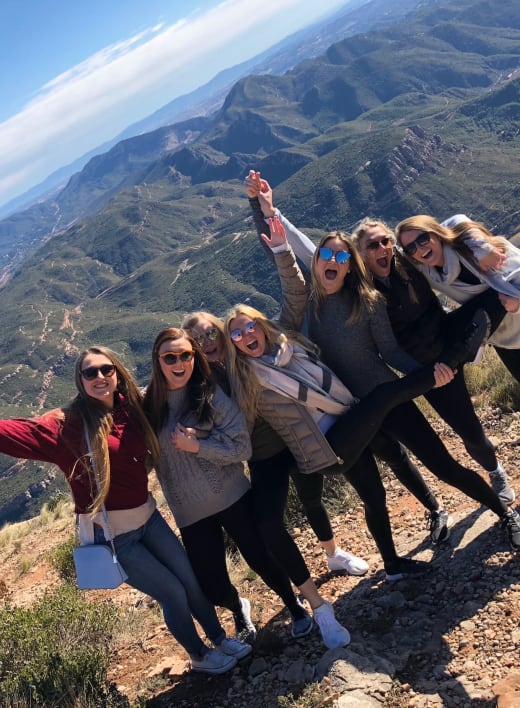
<point>248,388</point>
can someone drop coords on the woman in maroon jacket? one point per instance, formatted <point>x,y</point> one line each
<point>108,405</point>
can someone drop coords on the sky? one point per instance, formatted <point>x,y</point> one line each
<point>76,73</point>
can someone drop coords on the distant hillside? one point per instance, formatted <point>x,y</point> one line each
<point>422,116</point>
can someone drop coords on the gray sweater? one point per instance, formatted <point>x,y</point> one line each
<point>199,485</point>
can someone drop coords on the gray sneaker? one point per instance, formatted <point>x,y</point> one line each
<point>500,484</point>
<point>213,662</point>
<point>235,647</point>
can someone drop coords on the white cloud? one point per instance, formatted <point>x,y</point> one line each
<point>85,105</point>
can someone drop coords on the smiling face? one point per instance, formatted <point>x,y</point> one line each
<point>430,253</point>
<point>101,387</point>
<point>330,274</point>
<point>178,374</point>
<point>213,348</point>
<point>252,343</point>
<point>377,260</point>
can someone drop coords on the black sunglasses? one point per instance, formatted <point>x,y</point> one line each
<point>420,240</point>
<point>374,245</point>
<point>91,372</point>
<point>170,358</point>
<point>209,335</point>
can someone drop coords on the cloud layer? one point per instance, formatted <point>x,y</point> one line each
<point>96,99</point>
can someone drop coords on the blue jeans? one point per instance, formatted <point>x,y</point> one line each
<point>156,564</point>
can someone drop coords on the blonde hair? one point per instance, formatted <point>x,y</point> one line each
<point>357,282</point>
<point>192,319</point>
<point>245,386</point>
<point>99,421</point>
<point>455,237</point>
<point>359,235</point>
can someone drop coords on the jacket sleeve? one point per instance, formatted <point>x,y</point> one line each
<point>228,440</point>
<point>301,244</point>
<point>31,438</point>
<point>295,290</point>
<point>386,342</point>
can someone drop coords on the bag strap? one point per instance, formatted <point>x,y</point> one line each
<point>103,508</point>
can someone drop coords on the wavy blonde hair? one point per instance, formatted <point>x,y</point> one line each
<point>357,282</point>
<point>245,386</point>
<point>99,421</point>
<point>455,237</point>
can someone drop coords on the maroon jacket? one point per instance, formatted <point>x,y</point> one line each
<point>57,437</point>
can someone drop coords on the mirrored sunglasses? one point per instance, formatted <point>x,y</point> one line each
<point>420,240</point>
<point>171,358</point>
<point>340,257</point>
<point>91,372</point>
<point>374,245</point>
<point>210,335</point>
<point>237,334</point>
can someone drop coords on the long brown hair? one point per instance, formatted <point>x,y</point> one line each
<point>200,387</point>
<point>455,237</point>
<point>357,282</point>
<point>99,419</point>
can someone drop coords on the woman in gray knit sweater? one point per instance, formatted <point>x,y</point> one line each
<point>203,439</point>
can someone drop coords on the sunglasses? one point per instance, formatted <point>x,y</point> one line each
<point>420,240</point>
<point>340,257</point>
<point>209,335</point>
<point>374,245</point>
<point>237,334</point>
<point>91,372</point>
<point>170,358</point>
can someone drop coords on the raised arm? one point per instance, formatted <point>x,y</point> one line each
<point>260,196</point>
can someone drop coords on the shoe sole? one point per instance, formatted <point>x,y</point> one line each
<point>357,573</point>
<point>214,672</point>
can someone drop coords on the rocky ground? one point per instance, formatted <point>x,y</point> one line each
<point>449,639</point>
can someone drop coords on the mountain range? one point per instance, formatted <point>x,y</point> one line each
<point>418,115</point>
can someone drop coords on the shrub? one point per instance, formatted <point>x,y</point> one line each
<point>62,561</point>
<point>57,652</point>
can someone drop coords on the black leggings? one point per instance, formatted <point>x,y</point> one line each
<point>269,481</point>
<point>353,431</point>
<point>205,546</point>
<point>453,403</point>
<point>270,486</point>
<point>390,451</point>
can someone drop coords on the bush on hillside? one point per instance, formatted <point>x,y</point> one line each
<point>57,653</point>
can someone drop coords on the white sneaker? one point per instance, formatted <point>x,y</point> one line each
<point>234,647</point>
<point>334,635</point>
<point>213,662</point>
<point>341,560</point>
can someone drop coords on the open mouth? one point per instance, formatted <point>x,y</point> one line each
<point>177,374</point>
<point>383,262</point>
<point>331,274</point>
<point>425,254</point>
<point>253,346</point>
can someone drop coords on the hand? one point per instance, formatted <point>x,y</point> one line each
<point>253,184</point>
<point>510,304</point>
<point>494,259</point>
<point>278,237</point>
<point>185,439</point>
<point>442,374</point>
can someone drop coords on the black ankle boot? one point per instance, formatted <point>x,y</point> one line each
<point>466,348</point>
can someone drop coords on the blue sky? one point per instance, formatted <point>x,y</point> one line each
<point>75,73</point>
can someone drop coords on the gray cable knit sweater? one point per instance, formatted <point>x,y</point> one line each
<point>199,485</point>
